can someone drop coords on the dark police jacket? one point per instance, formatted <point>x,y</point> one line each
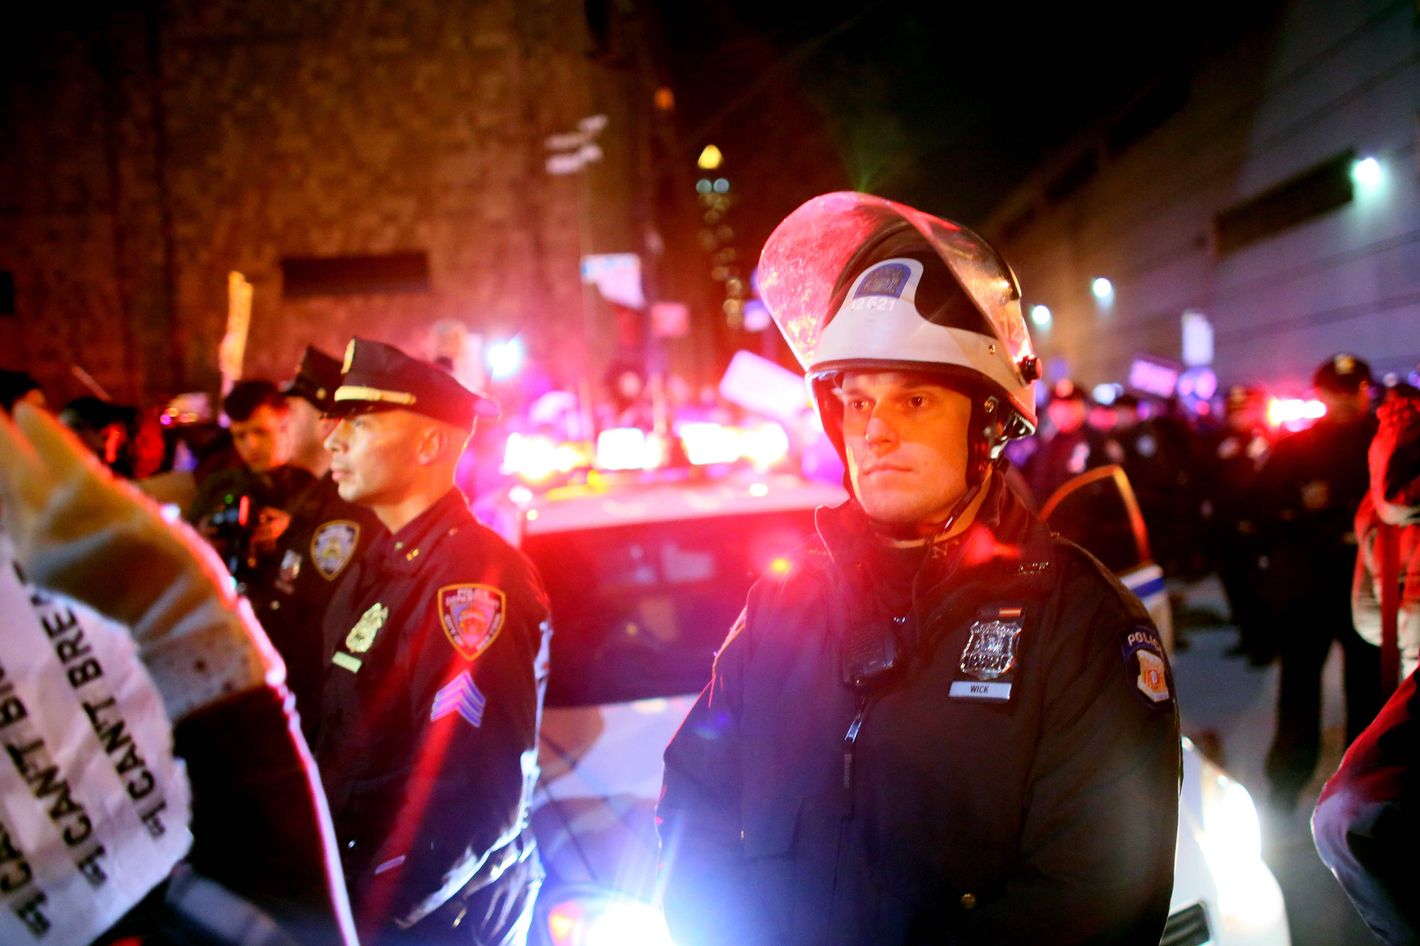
<point>1037,805</point>
<point>1306,496</point>
<point>437,663</point>
<point>325,537</point>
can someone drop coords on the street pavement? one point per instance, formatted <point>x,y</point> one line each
<point>1227,709</point>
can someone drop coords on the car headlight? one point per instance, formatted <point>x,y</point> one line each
<point>1231,839</point>
<point>605,919</point>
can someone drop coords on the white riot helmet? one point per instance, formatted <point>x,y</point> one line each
<point>856,282</point>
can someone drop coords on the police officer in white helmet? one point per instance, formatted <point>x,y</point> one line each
<point>943,723</point>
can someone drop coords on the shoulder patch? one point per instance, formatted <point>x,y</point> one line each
<point>471,615</point>
<point>333,545</point>
<point>1145,662</point>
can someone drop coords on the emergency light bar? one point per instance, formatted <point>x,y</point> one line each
<point>537,459</point>
<point>1293,413</point>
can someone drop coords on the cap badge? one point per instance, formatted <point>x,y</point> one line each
<point>472,616</point>
<point>362,636</point>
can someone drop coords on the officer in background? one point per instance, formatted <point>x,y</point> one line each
<point>436,659</point>
<point>1073,447</point>
<point>1306,497</point>
<point>324,536</point>
<point>942,723</point>
<point>1233,458</point>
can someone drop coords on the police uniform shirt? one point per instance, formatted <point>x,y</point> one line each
<point>325,537</point>
<point>436,648</point>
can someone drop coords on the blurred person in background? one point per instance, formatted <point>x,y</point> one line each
<point>1305,498</point>
<point>1160,461</point>
<point>243,510</point>
<point>1232,460</point>
<point>325,535</point>
<point>1388,535</point>
<point>1071,447</point>
<point>628,402</point>
<point>19,387</point>
<point>100,425</point>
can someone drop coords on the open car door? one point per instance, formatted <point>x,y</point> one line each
<point>1098,511</point>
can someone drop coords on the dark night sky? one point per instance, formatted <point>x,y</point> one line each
<point>943,105</point>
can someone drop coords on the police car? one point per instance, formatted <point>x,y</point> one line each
<point>645,575</point>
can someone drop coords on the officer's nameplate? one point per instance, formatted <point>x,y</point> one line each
<point>362,635</point>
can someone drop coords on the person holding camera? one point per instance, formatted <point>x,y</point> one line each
<point>943,722</point>
<point>243,510</point>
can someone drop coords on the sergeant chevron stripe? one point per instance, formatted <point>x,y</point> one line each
<point>461,695</point>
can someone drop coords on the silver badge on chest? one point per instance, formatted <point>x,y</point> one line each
<point>991,649</point>
<point>988,662</point>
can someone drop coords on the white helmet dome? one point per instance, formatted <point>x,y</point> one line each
<point>859,282</point>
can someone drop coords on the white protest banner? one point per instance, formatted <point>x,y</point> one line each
<point>94,808</point>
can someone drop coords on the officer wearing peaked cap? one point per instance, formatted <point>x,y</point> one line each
<point>326,534</point>
<point>1306,496</point>
<point>943,723</point>
<point>436,658</point>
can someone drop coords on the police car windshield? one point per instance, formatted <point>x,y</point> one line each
<point>639,610</point>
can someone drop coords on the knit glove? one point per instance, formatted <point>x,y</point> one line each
<point>84,534</point>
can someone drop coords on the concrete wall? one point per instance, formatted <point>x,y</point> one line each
<point>1308,82</point>
<point>152,150</point>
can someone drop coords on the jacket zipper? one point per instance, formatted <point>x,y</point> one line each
<point>850,746</point>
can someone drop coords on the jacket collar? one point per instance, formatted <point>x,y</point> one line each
<point>404,549</point>
<point>1004,542</point>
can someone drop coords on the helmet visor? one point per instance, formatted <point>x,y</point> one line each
<point>802,267</point>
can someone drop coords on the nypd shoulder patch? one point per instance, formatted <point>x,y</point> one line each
<point>471,615</point>
<point>1144,659</point>
<point>333,545</point>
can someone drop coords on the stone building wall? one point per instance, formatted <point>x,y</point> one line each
<point>158,148</point>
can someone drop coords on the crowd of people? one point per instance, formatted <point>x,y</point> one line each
<point>941,723</point>
<point>1274,513</point>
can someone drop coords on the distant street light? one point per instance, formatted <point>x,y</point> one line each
<point>1366,173</point>
<point>1102,288</point>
